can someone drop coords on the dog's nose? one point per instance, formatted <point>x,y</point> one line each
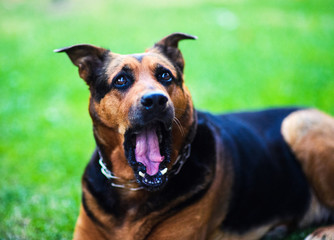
<point>154,101</point>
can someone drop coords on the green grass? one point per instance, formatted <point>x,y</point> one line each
<point>249,55</point>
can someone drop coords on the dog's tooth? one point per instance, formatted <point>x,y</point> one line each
<point>163,171</point>
<point>141,174</point>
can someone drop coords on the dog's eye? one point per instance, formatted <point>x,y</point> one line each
<point>121,81</point>
<point>165,77</point>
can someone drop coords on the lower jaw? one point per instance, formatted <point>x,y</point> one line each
<point>157,181</point>
<point>152,183</point>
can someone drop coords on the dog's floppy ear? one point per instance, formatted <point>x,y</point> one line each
<point>169,47</point>
<point>87,58</point>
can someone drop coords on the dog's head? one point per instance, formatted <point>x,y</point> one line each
<point>139,105</point>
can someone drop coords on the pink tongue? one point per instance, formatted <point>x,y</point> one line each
<point>148,152</point>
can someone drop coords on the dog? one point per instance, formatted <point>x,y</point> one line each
<point>163,170</point>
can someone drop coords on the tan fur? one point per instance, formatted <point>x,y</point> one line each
<point>110,118</point>
<point>324,233</point>
<point>113,109</point>
<point>110,227</point>
<point>316,214</point>
<point>85,229</point>
<point>251,235</point>
<point>204,216</point>
<point>310,135</point>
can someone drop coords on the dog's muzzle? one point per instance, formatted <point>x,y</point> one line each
<point>148,142</point>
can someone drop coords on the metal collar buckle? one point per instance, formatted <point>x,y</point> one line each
<point>182,158</point>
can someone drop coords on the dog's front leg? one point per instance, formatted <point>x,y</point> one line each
<point>85,228</point>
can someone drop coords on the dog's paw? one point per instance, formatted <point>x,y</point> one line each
<point>325,233</point>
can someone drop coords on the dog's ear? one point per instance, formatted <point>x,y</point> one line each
<point>169,47</point>
<point>87,58</point>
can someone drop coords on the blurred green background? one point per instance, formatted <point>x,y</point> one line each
<point>250,54</point>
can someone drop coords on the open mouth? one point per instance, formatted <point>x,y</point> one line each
<point>148,150</point>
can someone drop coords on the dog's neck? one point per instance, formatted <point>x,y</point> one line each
<point>110,145</point>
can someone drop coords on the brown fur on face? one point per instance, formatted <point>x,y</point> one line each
<point>114,111</point>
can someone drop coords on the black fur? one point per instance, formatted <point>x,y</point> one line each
<point>173,54</point>
<point>268,181</point>
<point>98,185</point>
<point>193,181</point>
<point>89,211</point>
<point>98,79</point>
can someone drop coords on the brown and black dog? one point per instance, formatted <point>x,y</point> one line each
<point>163,170</point>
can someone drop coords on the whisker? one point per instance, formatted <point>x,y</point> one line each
<point>179,125</point>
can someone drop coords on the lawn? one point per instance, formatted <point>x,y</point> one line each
<point>249,55</point>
